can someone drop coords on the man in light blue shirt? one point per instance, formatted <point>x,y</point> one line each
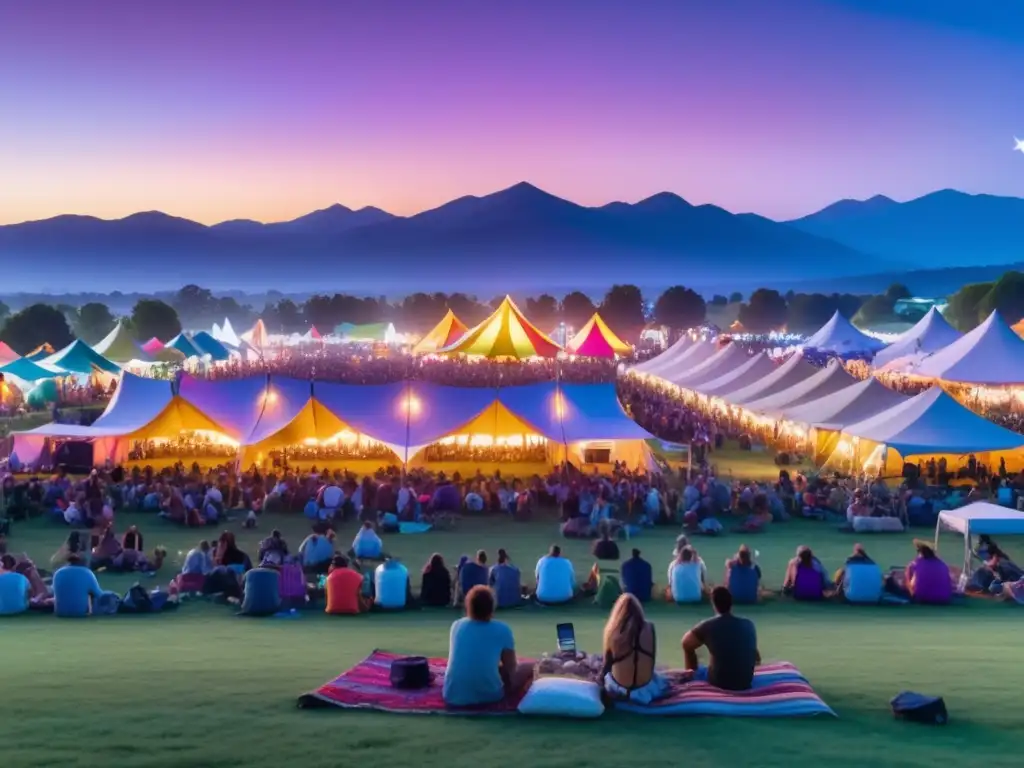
<point>862,579</point>
<point>14,589</point>
<point>199,560</point>
<point>367,544</point>
<point>74,589</point>
<point>391,585</point>
<point>556,579</point>
<point>316,551</point>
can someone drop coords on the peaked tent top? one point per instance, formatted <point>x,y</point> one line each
<point>847,406</point>
<point>790,373</point>
<point>840,337</point>
<point>152,346</point>
<point>726,359</point>
<point>208,345</point>
<point>929,334</point>
<point>7,355</point>
<point>79,357</point>
<point>442,335</point>
<point>992,354</point>
<point>688,360</point>
<point>120,346</point>
<point>257,335</point>
<point>656,363</point>
<point>753,370</point>
<point>596,339</point>
<point>934,423</point>
<point>505,333</point>
<point>313,334</point>
<point>827,380</point>
<point>226,334</point>
<point>27,370</point>
<point>136,402</point>
<point>184,344</point>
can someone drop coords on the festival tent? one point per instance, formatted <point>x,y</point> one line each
<point>982,518</point>
<point>444,334</point>
<point>790,373</point>
<point>992,355</point>
<point>234,405</point>
<point>505,333</point>
<point>839,337</point>
<point>79,357</point>
<point>153,346</point>
<point>257,335</point>
<point>119,346</point>
<point>7,355</point>
<point>743,375</point>
<point>27,370</point>
<point>726,359</point>
<point>183,344</point>
<point>368,332</point>
<point>687,362</point>
<point>289,415</point>
<point>655,364</point>
<point>932,424</point>
<point>930,334</point>
<point>312,335</point>
<point>208,345</point>
<point>596,339</point>
<point>226,334</point>
<point>826,381</point>
<point>40,353</point>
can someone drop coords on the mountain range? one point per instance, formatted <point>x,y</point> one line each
<point>520,238</point>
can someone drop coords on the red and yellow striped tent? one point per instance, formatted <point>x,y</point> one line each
<point>442,335</point>
<point>506,333</point>
<point>596,339</point>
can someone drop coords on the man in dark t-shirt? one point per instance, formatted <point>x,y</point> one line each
<point>731,641</point>
<point>637,578</point>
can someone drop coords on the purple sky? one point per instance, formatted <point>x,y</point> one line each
<point>268,110</point>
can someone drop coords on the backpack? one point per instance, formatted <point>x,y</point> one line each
<point>608,591</point>
<point>918,708</point>
<point>137,600</point>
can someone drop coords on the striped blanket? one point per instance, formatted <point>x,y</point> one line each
<point>779,690</point>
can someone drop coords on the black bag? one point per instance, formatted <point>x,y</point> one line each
<point>918,708</point>
<point>137,600</point>
<point>411,673</point>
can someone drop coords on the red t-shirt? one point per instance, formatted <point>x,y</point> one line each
<point>344,588</point>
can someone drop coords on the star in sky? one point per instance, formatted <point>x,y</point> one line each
<point>1019,145</point>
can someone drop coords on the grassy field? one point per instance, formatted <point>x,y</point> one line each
<point>202,687</point>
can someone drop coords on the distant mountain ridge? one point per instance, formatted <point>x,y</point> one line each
<point>520,238</point>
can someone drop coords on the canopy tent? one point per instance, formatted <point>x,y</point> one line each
<point>726,359</point>
<point>289,415</point>
<point>442,335</point>
<point>655,364</point>
<point>40,353</point>
<point>505,333</point>
<point>79,357</point>
<point>312,335</point>
<point>152,346</point>
<point>790,373</point>
<point>743,375</point>
<point>234,405</point>
<point>933,424</point>
<point>688,361</point>
<point>847,406</point>
<point>379,332</point>
<point>930,334</point>
<point>981,518</point>
<point>826,381</point>
<point>183,344</point>
<point>27,370</point>
<point>839,337</point>
<point>992,355</point>
<point>596,339</point>
<point>208,345</point>
<point>7,355</point>
<point>119,346</point>
<point>226,334</point>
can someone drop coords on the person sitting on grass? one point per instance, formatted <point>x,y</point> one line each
<point>436,584</point>
<point>731,642</point>
<point>367,545</point>
<point>392,590</point>
<point>556,579</point>
<point>805,577</point>
<point>261,592</point>
<point>132,539</point>
<point>686,578</point>
<point>229,555</point>
<point>637,577</point>
<point>860,580</point>
<point>273,549</point>
<point>482,663</point>
<point>316,551</point>
<point>473,573</point>
<point>15,589</point>
<point>630,646</point>
<point>73,547</point>
<point>743,577</point>
<point>104,553</point>
<point>75,589</point>
<point>344,587</point>
<point>927,577</point>
<point>506,581</point>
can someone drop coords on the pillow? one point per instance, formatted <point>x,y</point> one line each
<point>562,697</point>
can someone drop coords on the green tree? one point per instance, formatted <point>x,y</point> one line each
<point>766,311</point>
<point>1005,296</point>
<point>735,297</point>
<point>36,325</point>
<point>623,310</point>
<point>577,308</point>
<point>94,322</point>
<point>680,308</point>
<point>542,311</point>
<point>897,291</point>
<point>807,312</point>
<point>154,318</point>
<point>718,300</point>
<point>964,306</point>
<point>877,309</point>
<point>5,312</point>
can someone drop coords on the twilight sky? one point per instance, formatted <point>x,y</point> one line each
<point>265,109</point>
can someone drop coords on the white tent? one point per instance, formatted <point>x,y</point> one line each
<point>992,354</point>
<point>689,360</point>
<point>933,423</point>
<point>839,337</point>
<point>930,334</point>
<point>790,373</point>
<point>979,519</point>
<point>655,364</point>
<point>826,381</point>
<point>847,406</point>
<point>226,334</point>
<point>728,358</point>
<point>753,370</point>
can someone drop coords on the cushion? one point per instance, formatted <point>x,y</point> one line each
<point>562,697</point>
<point>877,525</point>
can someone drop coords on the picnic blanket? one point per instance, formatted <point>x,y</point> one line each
<point>368,686</point>
<point>779,690</point>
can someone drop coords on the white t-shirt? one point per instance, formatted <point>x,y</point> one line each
<point>686,582</point>
<point>556,580</point>
<point>332,497</point>
<point>214,496</point>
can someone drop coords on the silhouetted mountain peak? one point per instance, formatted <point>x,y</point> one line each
<point>663,201</point>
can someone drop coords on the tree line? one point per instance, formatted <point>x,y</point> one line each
<point>623,307</point>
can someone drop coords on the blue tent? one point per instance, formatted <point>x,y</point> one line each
<point>183,344</point>
<point>234,404</point>
<point>208,345</point>
<point>136,402</point>
<point>27,370</point>
<point>567,413</point>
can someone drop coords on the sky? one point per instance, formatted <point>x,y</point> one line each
<point>268,110</point>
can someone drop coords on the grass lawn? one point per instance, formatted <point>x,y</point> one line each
<point>201,687</point>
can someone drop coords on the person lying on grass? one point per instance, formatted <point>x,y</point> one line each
<point>731,642</point>
<point>482,663</point>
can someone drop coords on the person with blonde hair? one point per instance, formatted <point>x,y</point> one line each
<point>630,646</point>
